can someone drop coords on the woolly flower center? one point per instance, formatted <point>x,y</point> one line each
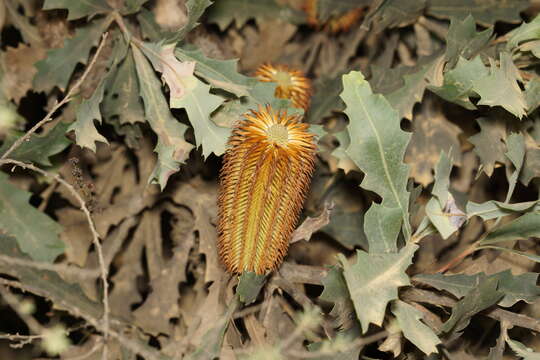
<point>278,134</point>
<point>283,79</point>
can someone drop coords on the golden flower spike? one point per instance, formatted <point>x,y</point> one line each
<point>263,183</point>
<point>291,84</point>
<point>334,24</point>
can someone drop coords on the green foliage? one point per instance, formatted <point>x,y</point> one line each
<point>373,281</point>
<point>78,9</point>
<point>39,148</point>
<point>249,286</point>
<point>171,147</point>
<point>413,329</point>
<point>515,287</point>
<point>35,232</point>
<point>483,11</point>
<point>377,148</point>
<point>482,296</point>
<point>57,67</point>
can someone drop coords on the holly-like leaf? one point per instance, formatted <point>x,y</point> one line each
<point>525,32</point>
<point>199,104</point>
<point>377,144</point>
<point>88,110</point>
<point>488,142</point>
<point>532,94</point>
<point>132,6</point>
<point>523,227</point>
<point>35,232</point>
<point>483,11</point>
<point>224,12</point>
<point>39,148</point>
<point>325,99</point>
<point>463,40</point>
<point>479,298</point>
<point>57,67</point>
<point>249,286</point>
<point>195,9</point>
<point>522,351</point>
<point>412,91</point>
<point>458,82</point>
<point>516,153</point>
<point>221,74</point>
<point>335,291</point>
<point>500,87</point>
<point>515,287</point>
<point>80,8</point>
<point>494,209</point>
<point>171,147</point>
<point>374,281</point>
<point>413,329</point>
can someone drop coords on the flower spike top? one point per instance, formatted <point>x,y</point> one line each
<point>291,84</point>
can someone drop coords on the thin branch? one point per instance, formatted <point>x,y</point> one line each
<point>65,100</point>
<point>33,325</point>
<point>95,236</point>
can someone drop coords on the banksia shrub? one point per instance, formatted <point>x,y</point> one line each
<point>291,84</point>
<point>264,180</point>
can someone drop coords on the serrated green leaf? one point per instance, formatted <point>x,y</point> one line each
<point>463,40</point>
<point>219,73</point>
<point>442,178</point>
<point>195,9</point>
<point>525,32</point>
<point>122,99</point>
<point>458,82</point>
<point>35,232</point>
<point>516,153</point>
<point>88,110</point>
<point>484,11</point>
<point>523,227</point>
<point>46,283</point>
<point>413,329</point>
<point>335,291</point>
<point>373,281</point>
<point>224,12</point>
<point>249,286</point>
<point>377,144</point>
<point>515,287</point>
<point>488,143</point>
<point>447,219</point>
<point>57,67</point>
<point>149,26</point>
<point>39,148</point>
<point>482,296</point>
<point>199,104</point>
<point>532,257</point>
<point>412,91</point>
<point>80,8</point>
<point>392,13</point>
<point>494,209</point>
<point>500,87</point>
<point>171,147</point>
<point>132,6</point>
<point>325,99</point>
<point>382,225</point>
<point>522,351</point>
<point>532,94</point>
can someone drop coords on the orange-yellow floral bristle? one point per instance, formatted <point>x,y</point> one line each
<point>291,84</point>
<point>336,23</point>
<point>265,177</point>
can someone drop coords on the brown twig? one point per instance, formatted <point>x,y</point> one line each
<point>65,100</point>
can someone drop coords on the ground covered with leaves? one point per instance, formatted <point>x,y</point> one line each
<point>419,237</point>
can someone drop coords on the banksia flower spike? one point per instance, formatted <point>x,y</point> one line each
<point>336,23</point>
<point>291,84</point>
<point>264,180</point>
